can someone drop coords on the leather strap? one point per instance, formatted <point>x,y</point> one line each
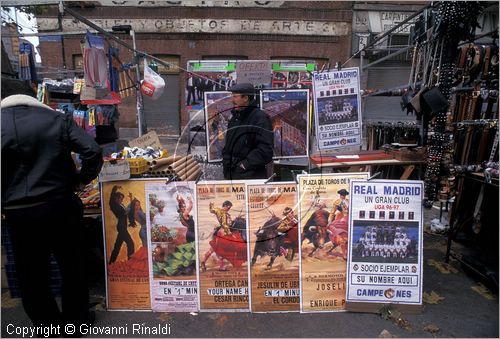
<point>486,62</point>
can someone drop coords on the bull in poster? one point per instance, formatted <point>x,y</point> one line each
<point>323,215</point>
<point>222,246</point>
<point>273,247</point>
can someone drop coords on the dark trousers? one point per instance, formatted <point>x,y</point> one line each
<point>122,237</point>
<point>36,232</point>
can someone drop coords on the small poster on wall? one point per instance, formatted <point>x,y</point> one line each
<point>289,113</point>
<point>171,213</point>
<point>386,250</point>
<point>217,115</point>
<point>337,105</point>
<point>324,220</point>
<point>273,247</point>
<point>126,244</point>
<point>222,246</point>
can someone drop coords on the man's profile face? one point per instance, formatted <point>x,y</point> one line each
<point>240,101</point>
<point>342,197</point>
<point>227,208</point>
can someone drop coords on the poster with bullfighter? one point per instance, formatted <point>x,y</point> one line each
<point>126,244</point>
<point>273,247</point>
<point>171,210</point>
<point>324,220</point>
<point>222,246</point>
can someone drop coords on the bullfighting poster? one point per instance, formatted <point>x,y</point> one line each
<point>323,215</point>
<point>386,232</point>
<point>337,104</point>
<point>125,237</point>
<point>222,246</point>
<point>273,247</point>
<point>171,213</point>
<point>217,115</point>
<point>289,113</point>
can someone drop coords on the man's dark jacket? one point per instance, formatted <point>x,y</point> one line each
<point>249,141</point>
<point>36,153</point>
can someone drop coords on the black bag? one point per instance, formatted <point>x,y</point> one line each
<point>436,101</point>
<point>105,134</point>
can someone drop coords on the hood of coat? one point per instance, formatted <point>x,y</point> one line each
<point>22,100</point>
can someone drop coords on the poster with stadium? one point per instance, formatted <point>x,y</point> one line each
<point>126,244</point>
<point>386,232</point>
<point>170,216</point>
<point>337,104</point>
<point>217,115</point>
<point>289,113</point>
<point>324,220</point>
<point>273,247</point>
<point>221,246</point>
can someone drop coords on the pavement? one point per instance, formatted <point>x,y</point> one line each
<point>456,305</point>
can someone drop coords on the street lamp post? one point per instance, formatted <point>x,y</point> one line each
<point>140,102</point>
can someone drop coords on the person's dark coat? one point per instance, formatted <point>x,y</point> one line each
<point>37,167</point>
<point>249,141</point>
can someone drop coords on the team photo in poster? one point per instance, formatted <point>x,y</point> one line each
<point>172,253</point>
<point>385,257</point>
<point>289,113</point>
<point>125,235</point>
<point>337,105</point>
<point>273,247</point>
<point>217,115</point>
<point>324,220</point>
<point>222,246</point>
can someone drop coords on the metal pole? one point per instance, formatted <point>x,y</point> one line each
<point>140,102</point>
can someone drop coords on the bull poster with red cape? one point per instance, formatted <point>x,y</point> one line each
<point>273,247</point>
<point>125,237</point>
<point>324,221</point>
<point>222,246</point>
<point>171,212</point>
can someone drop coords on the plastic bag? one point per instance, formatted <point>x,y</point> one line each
<point>153,84</point>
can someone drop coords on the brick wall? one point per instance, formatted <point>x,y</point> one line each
<point>194,46</point>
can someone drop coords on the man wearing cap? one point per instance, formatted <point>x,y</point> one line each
<point>340,206</point>
<point>249,138</point>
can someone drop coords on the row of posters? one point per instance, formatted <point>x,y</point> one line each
<point>310,246</point>
<point>285,91</point>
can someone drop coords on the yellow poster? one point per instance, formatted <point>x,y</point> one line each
<point>323,214</point>
<point>273,244</point>
<point>127,269</point>
<point>222,246</point>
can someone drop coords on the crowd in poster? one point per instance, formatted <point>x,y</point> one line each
<point>125,236</point>
<point>337,108</point>
<point>273,247</point>
<point>217,116</point>
<point>172,253</point>
<point>385,258</point>
<point>222,246</point>
<point>289,113</point>
<point>324,220</point>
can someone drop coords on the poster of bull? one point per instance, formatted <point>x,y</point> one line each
<point>222,246</point>
<point>126,244</point>
<point>386,232</point>
<point>170,216</point>
<point>324,220</point>
<point>217,115</point>
<point>273,247</point>
<point>289,113</point>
